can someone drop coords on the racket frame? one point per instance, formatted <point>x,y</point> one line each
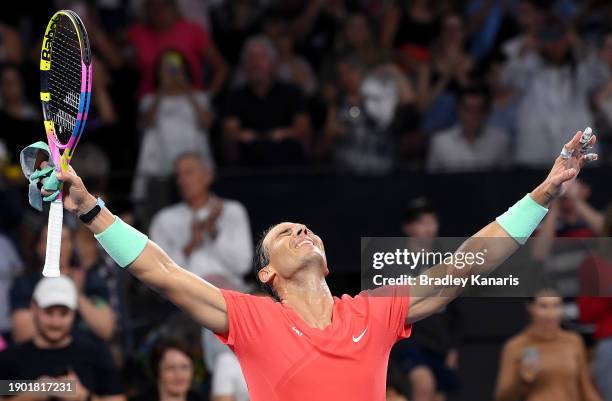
<point>61,161</point>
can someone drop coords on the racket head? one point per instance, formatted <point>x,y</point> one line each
<point>65,83</point>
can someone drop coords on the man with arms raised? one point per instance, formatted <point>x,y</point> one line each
<point>307,344</point>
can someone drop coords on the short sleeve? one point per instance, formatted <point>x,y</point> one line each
<point>389,305</point>
<point>246,318</point>
<point>108,380</point>
<point>225,375</point>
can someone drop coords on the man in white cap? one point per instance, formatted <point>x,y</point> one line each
<point>54,352</point>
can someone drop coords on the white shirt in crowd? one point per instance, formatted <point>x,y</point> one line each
<point>554,101</point>
<point>228,378</point>
<point>10,266</point>
<point>223,260</point>
<point>175,131</point>
<point>451,151</point>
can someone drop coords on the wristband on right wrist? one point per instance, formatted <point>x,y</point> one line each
<point>122,242</point>
<point>521,220</point>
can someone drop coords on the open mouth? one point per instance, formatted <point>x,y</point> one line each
<point>304,241</point>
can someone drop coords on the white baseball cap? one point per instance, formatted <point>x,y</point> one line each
<point>51,291</point>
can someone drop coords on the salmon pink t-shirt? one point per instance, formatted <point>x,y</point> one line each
<point>185,36</point>
<point>282,358</point>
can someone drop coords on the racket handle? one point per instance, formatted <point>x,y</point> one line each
<point>54,239</point>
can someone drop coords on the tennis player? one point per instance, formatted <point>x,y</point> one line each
<point>308,345</point>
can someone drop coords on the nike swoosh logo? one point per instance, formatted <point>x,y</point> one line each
<point>357,339</point>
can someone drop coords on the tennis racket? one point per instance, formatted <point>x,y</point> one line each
<point>65,89</point>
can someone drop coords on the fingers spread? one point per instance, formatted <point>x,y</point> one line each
<point>574,143</point>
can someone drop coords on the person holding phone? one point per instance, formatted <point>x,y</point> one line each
<point>545,362</point>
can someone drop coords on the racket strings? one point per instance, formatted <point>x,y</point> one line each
<point>65,79</point>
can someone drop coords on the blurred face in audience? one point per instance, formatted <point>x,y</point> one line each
<point>11,84</point>
<point>452,31</point>
<point>66,249</point>
<point>555,51</point>
<point>54,323</point>
<point>193,178</point>
<point>175,373</point>
<point>357,32</point>
<point>546,310</point>
<point>472,112</point>
<point>528,16</point>
<point>259,63</point>
<point>161,14</point>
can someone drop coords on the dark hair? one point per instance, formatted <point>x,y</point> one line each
<point>261,260</point>
<point>416,208</point>
<point>476,89</point>
<point>162,346</point>
<point>543,292</point>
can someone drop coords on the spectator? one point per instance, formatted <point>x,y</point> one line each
<point>164,29</point>
<point>545,362</point>
<point>571,216</point>
<point>172,366</point>
<point>16,113</point>
<point>554,88</point>
<point>251,133</point>
<point>2,344</point>
<point>94,316</point>
<point>10,266</point>
<point>427,360</point>
<point>596,305</point>
<point>11,48</point>
<point>472,144</point>
<point>366,123</point>
<point>356,40</point>
<point>504,102</point>
<point>205,234</point>
<point>411,27</point>
<point>602,97</point>
<point>531,17</point>
<point>315,26</point>
<point>175,118</point>
<point>441,79</point>
<point>291,67</point>
<point>54,352</point>
<point>233,22</point>
<point>228,382</point>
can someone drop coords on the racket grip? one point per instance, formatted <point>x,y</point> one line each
<point>54,239</point>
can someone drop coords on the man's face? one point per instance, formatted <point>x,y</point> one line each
<point>193,179</point>
<point>53,323</point>
<point>290,247</point>
<point>258,64</point>
<point>472,112</point>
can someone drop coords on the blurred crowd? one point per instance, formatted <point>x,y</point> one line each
<point>183,89</point>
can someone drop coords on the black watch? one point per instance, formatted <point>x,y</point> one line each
<point>89,216</point>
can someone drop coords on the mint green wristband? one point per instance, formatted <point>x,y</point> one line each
<point>521,220</point>
<point>122,242</point>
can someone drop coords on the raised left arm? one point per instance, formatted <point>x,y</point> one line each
<point>426,300</point>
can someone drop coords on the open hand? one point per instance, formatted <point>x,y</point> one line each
<point>564,171</point>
